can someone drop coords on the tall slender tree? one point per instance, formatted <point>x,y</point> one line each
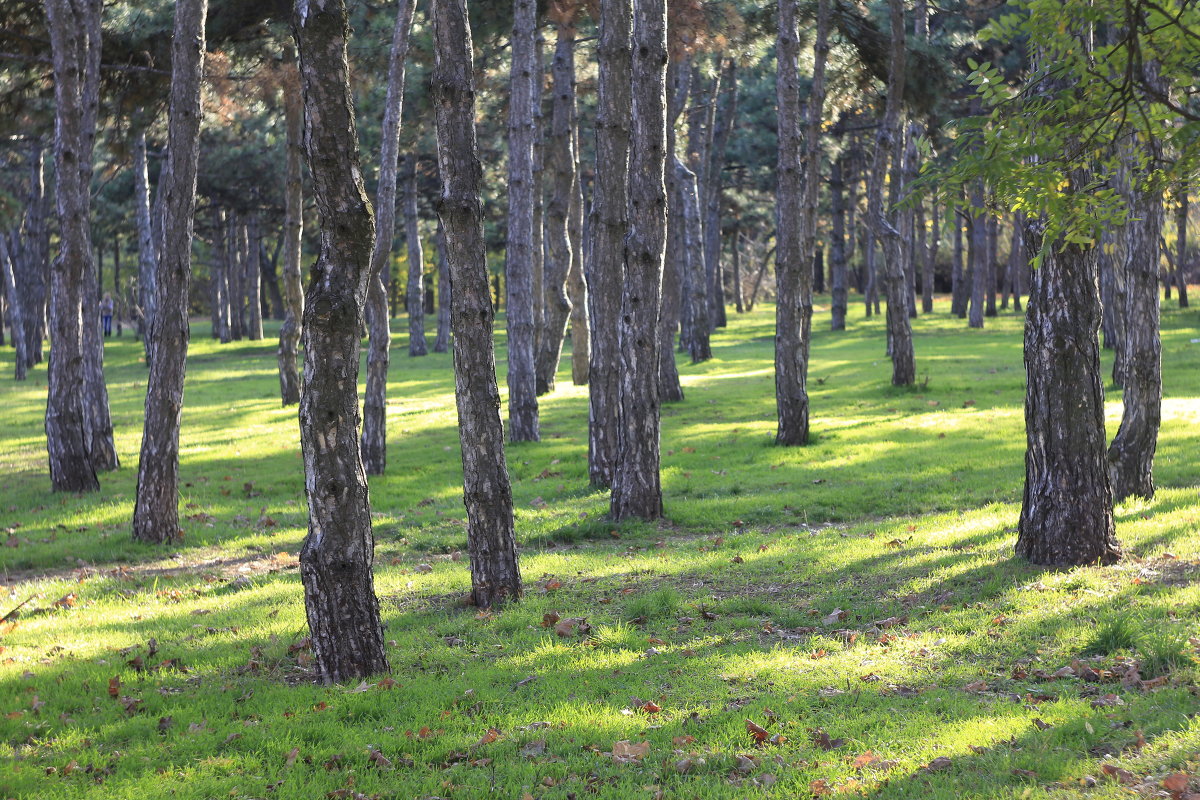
<point>415,291</point>
<point>610,221</point>
<point>637,487</point>
<point>442,343</point>
<point>75,46</point>
<point>338,553</point>
<point>147,248</point>
<point>293,232</point>
<point>487,493</point>
<point>156,508</point>
<point>374,432</point>
<point>523,191</point>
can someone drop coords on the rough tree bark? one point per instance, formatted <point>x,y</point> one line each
<point>837,246</point>
<point>415,290</point>
<point>609,224</point>
<point>235,271</point>
<point>374,429</point>
<point>888,143</point>
<point>293,230</point>
<point>156,507</point>
<point>724,119</point>
<point>1181,220</point>
<point>637,488</point>
<point>560,157</point>
<point>33,266</point>
<point>487,493</point>
<point>1131,454</point>
<point>75,44</point>
<point>977,253</point>
<point>338,552</point>
<point>522,247</point>
<point>442,343</point>
<point>690,256</point>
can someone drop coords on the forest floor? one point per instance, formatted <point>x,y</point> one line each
<point>857,600</point>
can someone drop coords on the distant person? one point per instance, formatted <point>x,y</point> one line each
<point>106,313</point>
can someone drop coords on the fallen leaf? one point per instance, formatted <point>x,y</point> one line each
<point>292,755</point>
<point>534,749</point>
<point>378,759</point>
<point>756,731</point>
<point>865,760</point>
<point>938,764</point>
<point>1177,782</point>
<point>822,740</point>
<point>624,752</point>
<point>836,616</point>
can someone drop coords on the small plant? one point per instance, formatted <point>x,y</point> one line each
<point>1118,632</point>
<point>1163,652</point>
<point>660,603</point>
<point>620,636</point>
<point>754,606</point>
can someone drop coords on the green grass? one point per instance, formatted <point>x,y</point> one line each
<point>901,515</point>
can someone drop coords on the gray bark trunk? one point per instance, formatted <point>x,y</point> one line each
<point>442,343</point>
<point>1181,220</point>
<point>252,254</point>
<point>338,553</point>
<point>293,230</point>
<point>560,152</point>
<point>670,390</point>
<point>576,285</point>
<point>487,493</point>
<point>637,489</point>
<point>725,114</point>
<point>235,272</point>
<point>8,282</point>
<point>888,143</point>
<point>156,508</point>
<point>977,252</point>
<point>147,246</point>
<point>958,277</point>
<point>415,290</point>
<point>992,229</point>
<point>75,43</point>
<point>523,192</point>
<point>609,224</point>
<point>374,429</point>
<point>699,321</point>
<point>32,267</point>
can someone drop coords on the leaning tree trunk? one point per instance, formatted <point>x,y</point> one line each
<point>74,27</point>
<point>156,508</point>
<point>637,488</point>
<point>338,552</point>
<point>795,218</point>
<point>888,143</point>
<point>374,430</point>
<point>560,157</point>
<point>487,493</point>
<point>147,246</point>
<point>610,221</point>
<point>415,290</point>
<point>522,247</point>
<point>442,343</point>
<point>293,230</point>
<point>8,282</point>
<point>576,285</point>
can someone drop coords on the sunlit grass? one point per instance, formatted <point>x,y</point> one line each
<point>864,585</point>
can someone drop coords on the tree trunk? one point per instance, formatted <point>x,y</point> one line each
<point>415,293</point>
<point>978,256</point>
<point>560,152</point>
<point>272,305</point>
<point>637,489</point>
<point>1066,513</point>
<point>8,281</point>
<point>610,221</point>
<point>990,264</point>
<point>523,192</point>
<point>670,390</point>
<point>487,493</point>
<point>959,278</point>
<point>691,261</point>
<point>75,43</point>
<point>925,254</point>
<point>374,430</point>
<point>908,219</point>
<point>837,246</point>
<point>795,222</point>
<point>1018,259</point>
<point>233,266</point>
<point>1181,220</point>
<point>253,276</point>
<point>442,343</point>
<point>338,552</point>
<point>97,419</point>
<point>293,231</point>
<point>739,303</point>
<point>724,120</point>
<point>156,508</point>
<point>576,285</point>
<point>888,143</point>
<point>32,267</point>
<point>147,246</point>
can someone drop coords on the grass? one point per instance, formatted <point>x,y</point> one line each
<point>863,586</point>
